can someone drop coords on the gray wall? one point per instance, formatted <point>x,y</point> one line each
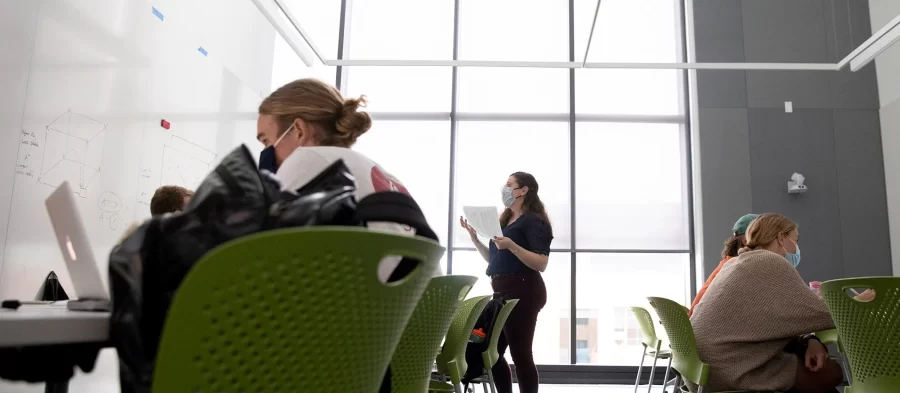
<point>889,94</point>
<point>750,146</point>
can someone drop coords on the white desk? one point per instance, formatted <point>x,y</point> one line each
<point>51,324</point>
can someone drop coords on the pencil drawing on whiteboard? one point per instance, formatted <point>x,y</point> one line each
<point>73,151</point>
<point>185,163</point>
<point>110,209</point>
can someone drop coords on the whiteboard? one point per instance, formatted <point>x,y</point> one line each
<point>84,86</point>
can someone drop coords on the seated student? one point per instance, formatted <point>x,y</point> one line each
<point>306,125</point>
<point>753,326</point>
<point>169,199</point>
<point>732,245</point>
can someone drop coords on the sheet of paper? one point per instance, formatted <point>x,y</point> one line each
<point>484,219</point>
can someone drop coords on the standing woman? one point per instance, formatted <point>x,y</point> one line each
<point>515,262</point>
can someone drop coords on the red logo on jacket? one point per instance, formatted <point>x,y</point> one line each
<point>381,182</point>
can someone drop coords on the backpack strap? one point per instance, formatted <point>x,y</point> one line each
<point>391,206</point>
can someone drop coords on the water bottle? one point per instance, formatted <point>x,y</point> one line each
<point>477,336</point>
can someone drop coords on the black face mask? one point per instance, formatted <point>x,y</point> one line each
<point>267,156</point>
<point>267,160</point>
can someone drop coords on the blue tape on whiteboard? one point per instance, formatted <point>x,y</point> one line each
<point>202,51</point>
<point>158,14</point>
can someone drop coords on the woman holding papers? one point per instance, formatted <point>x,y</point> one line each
<point>515,262</point>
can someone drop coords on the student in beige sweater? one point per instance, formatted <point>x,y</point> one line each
<point>753,326</point>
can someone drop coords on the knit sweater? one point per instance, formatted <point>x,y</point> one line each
<point>751,311</point>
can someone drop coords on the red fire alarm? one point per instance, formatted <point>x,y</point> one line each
<point>164,124</point>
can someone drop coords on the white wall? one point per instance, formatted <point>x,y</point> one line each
<point>887,64</point>
<point>120,69</point>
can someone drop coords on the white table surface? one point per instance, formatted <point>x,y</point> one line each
<point>51,324</point>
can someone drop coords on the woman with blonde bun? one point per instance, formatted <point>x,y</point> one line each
<point>305,126</point>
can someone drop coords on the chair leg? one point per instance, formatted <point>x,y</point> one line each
<point>652,372</point>
<point>637,381</point>
<point>845,367</point>
<point>491,381</point>
<point>666,378</point>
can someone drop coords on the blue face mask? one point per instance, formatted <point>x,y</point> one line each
<point>267,159</point>
<point>792,257</point>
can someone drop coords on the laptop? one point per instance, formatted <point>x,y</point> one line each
<point>76,251</point>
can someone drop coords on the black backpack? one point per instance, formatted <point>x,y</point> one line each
<point>235,200</point>
<point>485,322</point>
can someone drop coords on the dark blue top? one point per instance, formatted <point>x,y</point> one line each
<point>530,233</point>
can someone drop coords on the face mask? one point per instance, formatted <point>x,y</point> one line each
<point>793,258</point>
<point>508,197</point>
<point>267,156</point>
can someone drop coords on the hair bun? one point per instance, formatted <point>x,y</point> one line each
<point>351,122</point>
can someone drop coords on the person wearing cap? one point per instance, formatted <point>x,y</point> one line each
<point>732,245</point>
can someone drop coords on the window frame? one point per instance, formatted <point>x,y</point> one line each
<point>559,373</point>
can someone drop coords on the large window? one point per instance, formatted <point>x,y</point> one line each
<point>607,285</point>
<point>491,151</point>
<point>608,147</point>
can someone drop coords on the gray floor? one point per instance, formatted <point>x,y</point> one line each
<point>104,379</point>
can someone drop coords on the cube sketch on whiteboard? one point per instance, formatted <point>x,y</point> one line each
<point>185,163</point>
<point>73,151</point>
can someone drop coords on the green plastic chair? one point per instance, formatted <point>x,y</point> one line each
<point>652,347</point>
<point>291,311</point>
<point>421,340</point>
<point>451,361</point>
<point>685,355</point>
<point>869,331</point>
<point>490,356</point>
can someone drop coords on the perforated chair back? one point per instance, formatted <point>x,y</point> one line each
<point>492,355</point>
<point>452,359</point>
<point>421,340</point>
<point>291,311</point>
<point>648,331</point>
<point>869,331</point>
<point>685,356</point>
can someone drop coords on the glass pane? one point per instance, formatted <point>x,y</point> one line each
<point>287,67</point>
<point>639,31</point>
<point>551,343</point>
<point>425,170</point>
<point>627,92</point>
<point>401,30</point>
<point>402,89</point>
<point>514,30</point>
<point>513,90</point>
<point>630,192</point>
<point>488,152</point>
<point>608,285</point>
<point>321,19</point>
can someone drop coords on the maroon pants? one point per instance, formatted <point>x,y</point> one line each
<point>518,333</point>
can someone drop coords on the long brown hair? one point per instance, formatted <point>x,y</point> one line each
<point>733,245</point>
<point>531,201</point>
<point>337,120</point>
